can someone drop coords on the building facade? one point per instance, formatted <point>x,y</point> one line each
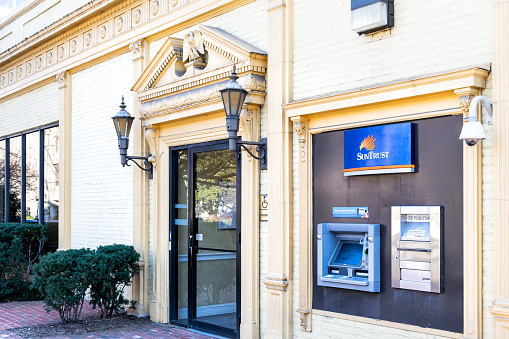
<point>247,248</point>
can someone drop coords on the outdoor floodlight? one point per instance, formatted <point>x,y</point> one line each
<point>233,96</point>
<point>123,122</point>
<point>372,15</point>
<point>472,131</point>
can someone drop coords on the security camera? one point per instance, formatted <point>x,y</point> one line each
<point>472,130</point>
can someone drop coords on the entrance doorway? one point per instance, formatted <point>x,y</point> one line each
<point>205,238</point>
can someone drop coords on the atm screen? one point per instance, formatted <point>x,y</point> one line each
<point>349,254</point>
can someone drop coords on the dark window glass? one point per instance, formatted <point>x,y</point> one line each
<point>51,203</point>
<point>32,177</point>
<point>15,180</point>
<point>2,181</point>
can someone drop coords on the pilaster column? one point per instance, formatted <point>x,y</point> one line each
<point>250,281</point>
<point>140,189</point>
<point>64,153</point>
<point>472,227</point>
<point>278,280</point>
<point>500,307</point>
<point>300,126</point>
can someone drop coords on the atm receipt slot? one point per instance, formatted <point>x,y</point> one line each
<point>349,256</point>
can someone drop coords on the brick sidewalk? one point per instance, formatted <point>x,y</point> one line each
<point>32,313</point>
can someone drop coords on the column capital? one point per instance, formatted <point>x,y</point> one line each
<point>137,48</point>
<point>465,97</point>
<point>62,79</point>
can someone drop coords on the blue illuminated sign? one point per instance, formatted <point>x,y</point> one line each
<point>362,3</point>
<point>379,150</point>
<point>350,212</point>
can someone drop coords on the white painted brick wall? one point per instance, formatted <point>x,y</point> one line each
<point>428,37</point>
<point>37,108</point>
<point>248,23</point>
<point>35,20</point>
<point>101,190</point>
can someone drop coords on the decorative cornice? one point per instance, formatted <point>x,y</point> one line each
<point>474,77</point>
<point>250,83</point>
<point>174,54</point>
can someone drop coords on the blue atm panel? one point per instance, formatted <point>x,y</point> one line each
<point>349,256</point>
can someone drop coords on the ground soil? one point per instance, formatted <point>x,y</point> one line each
<point>87,325</point>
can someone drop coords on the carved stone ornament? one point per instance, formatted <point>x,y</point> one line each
<point>136,15</point>
<point>61,52</point>
<point>102,32</point>
<point>137,48</point>
<point>29,68</point>
<point>20,72</point>
<point>39,62</point>
<point>11,76</point>
<point>3,80</point>
<point>73,46</point>
<point>304,315</point>
<point>88,39</point>
<point>193,47</point>
<point>151,135</point>
<point>154,7</point>
<point>61,78</point>
<point>119,24</point>
<point>174,3</point>
<point>465,104</point>
<point>50,57</point>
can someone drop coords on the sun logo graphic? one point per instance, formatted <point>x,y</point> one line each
<point>368,143</point>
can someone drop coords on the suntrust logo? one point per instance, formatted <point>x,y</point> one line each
<point>369,145</point>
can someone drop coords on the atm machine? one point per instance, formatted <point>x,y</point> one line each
<point>349,256</point>
<point>416,247</point>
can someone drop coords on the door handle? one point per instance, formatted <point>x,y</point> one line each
<point>414,249</point>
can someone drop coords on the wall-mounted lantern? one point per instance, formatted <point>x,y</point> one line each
<point>369,16</point>
<point>123,122</point>
<point>233,96</point>
<point>472,131</point>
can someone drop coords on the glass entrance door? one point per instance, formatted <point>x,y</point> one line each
<point>206,225</point>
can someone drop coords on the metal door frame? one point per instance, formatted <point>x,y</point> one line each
<point>191,320</point>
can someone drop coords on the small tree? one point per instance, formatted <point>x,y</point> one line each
<point>114,267</point>
<point>63,279</point>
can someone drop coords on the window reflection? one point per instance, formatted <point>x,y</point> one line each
<point>15,180</point>
<point>51,203</point>
<point>2,181</point>
<point>32,177</point>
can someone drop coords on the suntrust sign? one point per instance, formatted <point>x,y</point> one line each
<point>380,150</point>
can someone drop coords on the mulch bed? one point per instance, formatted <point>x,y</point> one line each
<point>81,327</point>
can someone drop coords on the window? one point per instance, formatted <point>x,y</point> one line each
<point>29,179</point>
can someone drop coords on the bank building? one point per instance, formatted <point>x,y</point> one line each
<point>285,168</point>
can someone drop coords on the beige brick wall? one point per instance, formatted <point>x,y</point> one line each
<point>101,190</point>
<point>428,37</point>
<point>33,109</point>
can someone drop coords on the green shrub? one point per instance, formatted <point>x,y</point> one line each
<point>20,247</point>
<point>114,267</point>
<point>63,279</point>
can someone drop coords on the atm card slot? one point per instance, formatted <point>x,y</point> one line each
<point>415,265</point>
<point>414,256</point>
<point>342,279</point>
<point>416,275</point>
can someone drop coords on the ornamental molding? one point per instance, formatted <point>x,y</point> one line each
<point>74,35</point>
<point>179,66</point>
<point>275,284</point>
<point>207,95</point>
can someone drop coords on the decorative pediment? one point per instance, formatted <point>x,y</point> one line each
<point>190,72</point>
